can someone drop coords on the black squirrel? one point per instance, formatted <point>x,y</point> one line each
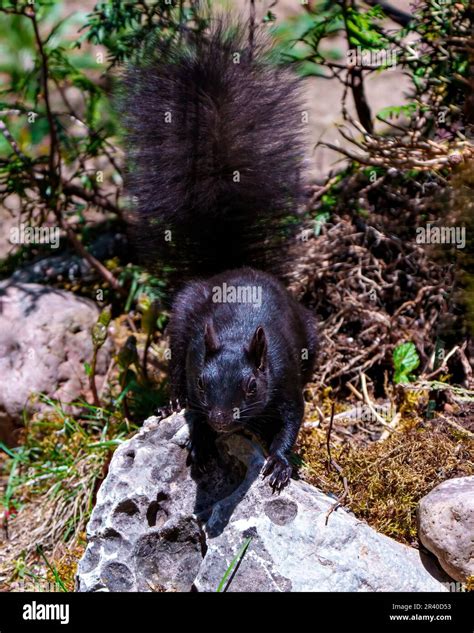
<point>213,134</point>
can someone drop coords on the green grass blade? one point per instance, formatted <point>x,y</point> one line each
<point>238,557</point>
<point>52,569</point>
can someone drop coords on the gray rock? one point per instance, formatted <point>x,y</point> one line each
<point>45,338</point>
<point>54,268</point>
<point>158,525</point>
<point>446,525</point>
<point>68,265</point>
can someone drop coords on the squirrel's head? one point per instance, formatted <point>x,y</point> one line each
<point>232,386</point>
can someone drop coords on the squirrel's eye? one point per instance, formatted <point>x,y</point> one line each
<point>200,383</point>
<point>251,386</point>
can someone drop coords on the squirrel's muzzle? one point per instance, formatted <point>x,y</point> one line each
<point>221,421</point>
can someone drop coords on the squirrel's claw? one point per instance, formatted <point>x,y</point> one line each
<point>176,405</point>
<point>164,412</point>
<point>173,406</point>
<point>279,469</point>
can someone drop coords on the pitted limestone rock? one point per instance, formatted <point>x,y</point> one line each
<point>160,526</point>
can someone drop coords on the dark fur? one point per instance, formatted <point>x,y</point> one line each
<point>280,363</point>
<point>235,365</point>
<point>225,118</point>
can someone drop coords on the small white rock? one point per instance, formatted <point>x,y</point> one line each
<point>446,525</point>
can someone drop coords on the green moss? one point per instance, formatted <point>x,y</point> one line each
<point>387,479</point>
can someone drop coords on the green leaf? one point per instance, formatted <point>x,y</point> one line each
<point>391,112</point>
<point>319,220</point>
<point>405,360</point>
<point>99,330</point>
<point>105,316</point>
<point>99,334</point>
<point>310,69</point>
<point>149,318</point>
<point>361,29</point>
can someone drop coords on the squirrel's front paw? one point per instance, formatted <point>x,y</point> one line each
<point>200,455</point>
<point>279,469</point>
<point>177,404</point>
<point>164,412</point>
<point>174,406</point>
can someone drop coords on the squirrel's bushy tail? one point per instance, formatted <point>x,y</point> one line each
<point>213,136</point>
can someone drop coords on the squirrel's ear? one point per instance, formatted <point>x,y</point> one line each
<point>211,341</point>
<point>258,348</point>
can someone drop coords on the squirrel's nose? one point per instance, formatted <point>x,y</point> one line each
<point>217,419</point>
